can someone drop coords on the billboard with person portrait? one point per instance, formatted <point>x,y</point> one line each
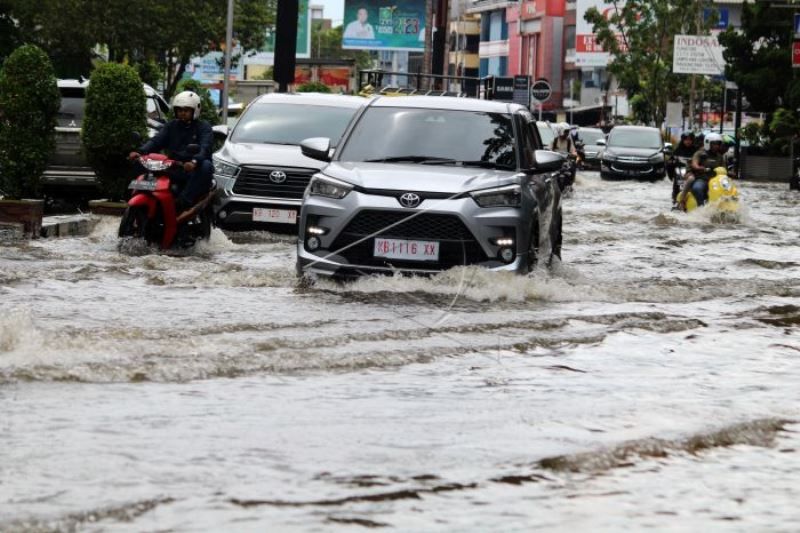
<point>384,25</point>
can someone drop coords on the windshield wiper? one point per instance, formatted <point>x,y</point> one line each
<point>485,164</point>
<point>410,159</point>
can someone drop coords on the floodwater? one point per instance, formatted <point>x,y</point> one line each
<point>650,382</point>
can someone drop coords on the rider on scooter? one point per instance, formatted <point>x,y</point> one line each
<point>563,142</point>
<point>684,150</point>
<point>197,173</point>
<point>703,164</point>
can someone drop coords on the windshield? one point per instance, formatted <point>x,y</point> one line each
<point>431,135</point>
<point>546,133</point>
<point>639,138</point>
<point>73,102</point>
<point>291,123</point>
<point>590,136</point>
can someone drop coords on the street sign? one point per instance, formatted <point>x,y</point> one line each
<point>541,90</point>
<point>522,92</point>
<point>796,54</point>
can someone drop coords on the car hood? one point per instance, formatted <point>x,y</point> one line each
<point>624,151</point>
<point>416,177</point>
<point>279,155</point>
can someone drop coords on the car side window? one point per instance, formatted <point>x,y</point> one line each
<point>528,141</point>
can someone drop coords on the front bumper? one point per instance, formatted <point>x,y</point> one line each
<point>464,230</point>
<point>232,209</point>
<point>632,170</point>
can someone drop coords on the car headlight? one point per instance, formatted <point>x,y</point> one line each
<point>328,187</point>
<point>225,169</point>
<point>656,158</point>
<point>608,157</point>
<point>508,196</point>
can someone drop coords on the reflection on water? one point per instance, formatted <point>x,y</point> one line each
<point>647,381</point>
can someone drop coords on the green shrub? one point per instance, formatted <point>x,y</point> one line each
<point>29,103</point>
<point>115,109</point>
<point>313,87</point>
<point>208,111</point>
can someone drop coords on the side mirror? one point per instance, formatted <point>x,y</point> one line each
<point>221,132</point>
<point>316,148</point>
<point>601,142</point>
<point>547,161</point>
<point>667,148</point>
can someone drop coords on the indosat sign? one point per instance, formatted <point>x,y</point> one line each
<point>384,25</point>
<point>697,54</point>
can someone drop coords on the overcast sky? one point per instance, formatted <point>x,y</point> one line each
<point>334,9</point>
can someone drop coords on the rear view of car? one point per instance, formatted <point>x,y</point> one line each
<point>260,171</point>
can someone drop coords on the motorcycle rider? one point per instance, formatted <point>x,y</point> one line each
<point>685,150</point>
<point>563,142</point>
<point>703,164</point>
<point>196,175</point>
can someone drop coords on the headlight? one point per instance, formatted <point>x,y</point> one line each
<point>608,157</point>
<point>656,158</point>
<point>225,169</point>
<point>328,187</point>
<point>509,196</point>
<point>155,165</point>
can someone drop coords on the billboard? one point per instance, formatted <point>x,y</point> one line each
<point>697,54</point>
<point>588,52</point>
<point>384,25</point>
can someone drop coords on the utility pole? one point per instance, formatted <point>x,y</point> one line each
<point>227,75</point>
<point>427,56</point>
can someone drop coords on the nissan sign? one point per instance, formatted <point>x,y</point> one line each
<point>541,91</point>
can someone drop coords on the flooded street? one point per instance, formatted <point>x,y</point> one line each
<point>650,381</point>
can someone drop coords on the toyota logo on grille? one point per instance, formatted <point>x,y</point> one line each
<point>277,176</point>
<point>410,199</point>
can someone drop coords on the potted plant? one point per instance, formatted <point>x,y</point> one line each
<point>115,112</point>
<point>29,103</point>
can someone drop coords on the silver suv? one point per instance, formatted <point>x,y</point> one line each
<point>68,174</point>
<point>421,184</point>
<point>261,173</point>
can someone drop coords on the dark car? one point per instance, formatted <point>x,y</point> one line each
<point>590,143</point>
<point>68,174</point>
<point>633,152</point>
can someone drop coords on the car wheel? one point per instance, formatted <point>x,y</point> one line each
<point>533,245</point>
<point>556,237</point>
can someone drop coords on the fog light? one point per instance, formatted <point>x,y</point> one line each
<point>316,230</point>
<point>223,215</point>
<point>506,255</point>
<point>504,241</point>
<point>313,243</point>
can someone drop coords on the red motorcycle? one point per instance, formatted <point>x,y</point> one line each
<point>151,215</point>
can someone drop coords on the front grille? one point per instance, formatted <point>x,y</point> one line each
<point>640,166</point>
<point>457,245</point>
<point>254,181</point>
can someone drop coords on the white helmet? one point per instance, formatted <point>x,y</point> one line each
<point>187,99</point>
<point>711,138</point>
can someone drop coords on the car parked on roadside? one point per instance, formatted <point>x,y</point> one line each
<point>68,174</point>
<point>421,184</point>
<point>633,152</point>
<point>590,143</point>
<point>260,171</point>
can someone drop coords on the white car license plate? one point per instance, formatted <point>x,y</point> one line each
<point>278,216</point>
<point>409,250</point>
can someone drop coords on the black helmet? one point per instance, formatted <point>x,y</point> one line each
<point>687,135</point>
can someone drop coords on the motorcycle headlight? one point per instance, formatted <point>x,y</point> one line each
<point>508,196</point>
<point>155,165</point>
<point>328,187</point>
<point>224,168</point>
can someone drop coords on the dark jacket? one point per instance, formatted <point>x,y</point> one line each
<point>176,135</point>
<point>684,151</point>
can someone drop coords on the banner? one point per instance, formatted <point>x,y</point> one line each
<point>588,52</point>
<point>697,54</point>
<point>384,25</point>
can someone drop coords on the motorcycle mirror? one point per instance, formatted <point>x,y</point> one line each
<point>193,148</point>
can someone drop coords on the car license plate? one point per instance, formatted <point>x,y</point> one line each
<point>278,216</point>
<point>408,250</point>
<point>142,185</point>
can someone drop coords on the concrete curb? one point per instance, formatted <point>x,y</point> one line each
<point>68,225</point>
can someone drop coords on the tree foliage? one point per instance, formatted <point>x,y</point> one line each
<point>313,87</point>
<point>327,44</point>
<point>29,103</point>
<point>759,58</point>
<point>115,111</point>
<point>642,56</point>
<point>168,34</point>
